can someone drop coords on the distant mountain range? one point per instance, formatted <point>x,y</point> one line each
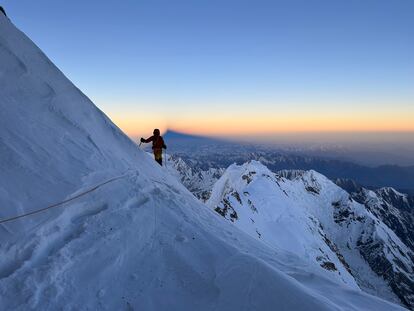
<point>181,142</point>
<point>212,152</point>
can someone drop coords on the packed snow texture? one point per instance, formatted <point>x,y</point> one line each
<point>259,202</point>
<point>53,139</point>
<point>304,213</point>
<point>141,242</point>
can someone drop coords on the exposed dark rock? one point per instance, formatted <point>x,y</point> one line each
<point>312,190</point>
<point>251,205</point>
<point>391,271</point>
<point>343,213</point>
<point>329,266</point>
<point>227,210</point>
<point>2,10</point>
<point>335,249</point>
<point>249,177</point>
<point>236,195</point>
<point>395,209</point>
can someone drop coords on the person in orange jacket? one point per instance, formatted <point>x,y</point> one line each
<point>157,145</point>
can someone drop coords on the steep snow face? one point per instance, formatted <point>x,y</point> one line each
<point>53,139</point>
<point>393,208</point>
<point>253,198</point>
<point>310,216</point>
<point>396,210</point>
<point>140,242</point>
<point>144,243</point>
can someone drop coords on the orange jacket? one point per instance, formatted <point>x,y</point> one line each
<point>157,142</point>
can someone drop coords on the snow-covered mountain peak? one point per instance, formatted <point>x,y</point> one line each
<point>392,195</point>
<point>126,234</point>
<point>247,172</point>
<point>390,191</point>
<point>258,201</point>
<point>305,213</point>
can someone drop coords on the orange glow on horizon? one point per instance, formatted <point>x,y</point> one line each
<point>219,127</point>
<point>259,124</point>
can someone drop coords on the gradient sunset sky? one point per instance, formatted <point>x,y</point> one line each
<point>234,67</point>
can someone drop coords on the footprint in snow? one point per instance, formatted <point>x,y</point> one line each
<point>180,238</point>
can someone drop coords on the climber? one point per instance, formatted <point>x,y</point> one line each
<point>157,145</point>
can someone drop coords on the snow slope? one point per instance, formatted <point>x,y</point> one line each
<point>144,243</point>
<point>140,242</point>
<point>52,136</point>
<point>304,213</point>
<point>393,208</point>
<point>253,199</point>
<point>396,210</point>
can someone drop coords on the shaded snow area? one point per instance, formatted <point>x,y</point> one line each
<point>306,214</point>
<point>145,243</point>
<point>139,242</point>
<point>396,210</point>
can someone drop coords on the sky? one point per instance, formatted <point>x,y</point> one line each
<point>235,68</point>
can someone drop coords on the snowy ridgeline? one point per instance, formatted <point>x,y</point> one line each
<point>363,239</point>
<point>142,241</point>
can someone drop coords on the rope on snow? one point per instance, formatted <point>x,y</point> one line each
<point>2,221</point>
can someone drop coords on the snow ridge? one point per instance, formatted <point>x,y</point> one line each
<point>310,216</point>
